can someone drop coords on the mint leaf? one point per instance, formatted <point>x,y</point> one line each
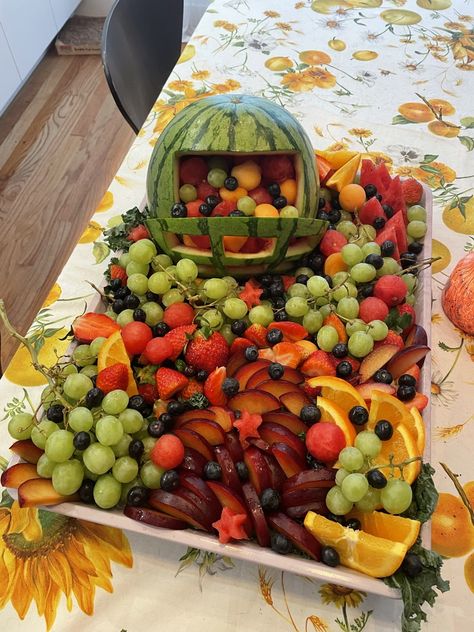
<point>425,496</point>
<point>198,400</point>
<point>116,237</point>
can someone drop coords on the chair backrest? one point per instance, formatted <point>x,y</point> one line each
<point>141,43</point>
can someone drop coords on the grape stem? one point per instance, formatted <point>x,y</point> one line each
<point>425,263</point>
<point>393,465</point>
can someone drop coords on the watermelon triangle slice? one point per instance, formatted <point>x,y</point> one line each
<point>389,232</point>
<point>377,175</point>
<point>384,176</point>
<point>371,209</point>
<point>367,173</point>
<point>393,196</point>
<point>397,222</point>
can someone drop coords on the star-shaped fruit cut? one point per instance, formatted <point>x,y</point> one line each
<point>247,426</point>
<point>251,293</point>
<point>230,526</point>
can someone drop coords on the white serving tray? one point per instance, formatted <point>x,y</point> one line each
<point>249,551</point>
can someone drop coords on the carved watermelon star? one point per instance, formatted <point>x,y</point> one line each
<point>248,426</point>
<point>230,526</point>
<point>251,293</point>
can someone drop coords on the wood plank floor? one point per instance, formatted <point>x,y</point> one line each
<point>61,142</point>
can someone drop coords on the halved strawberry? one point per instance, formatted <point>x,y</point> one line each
<point>257,334</point>
<point>292,332</point>
<point>169,382</point>
<point>405,308</point>
<point>192,388</point>
<point>239,344</point>
<point>149,392</point>
<point>113,378</point>
<point>117,272</point>
<point>288,354</point>
<point>318,363</point>
<point>91,325</point>
<point>392,339</point>
<point>179,337</point>
<point>213,387</point>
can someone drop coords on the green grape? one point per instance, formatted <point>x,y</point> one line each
<point>227,334</point>
<point>90,370</point>
<point>187,193</point>
<point>390,266</point>
<point>108,430</point>
<point>161,261</point>
<point>327,338</point>
<point>377,329</point>
<point>124,260</point>
<point>172,296</point>
<point>340,476</point>
<point>125,469</point>
<point>416,213</point>
<point>121,448</point>
<point>96,345</point>
<point>151,475</point>
<point>48,397</point>
<point>45,466</point>
<point>80,419</point>
<point>296,306</point>
<point>59,446</point>
<point>148,444</point>
<point>125,317</point>
<point>298,289</point>
<point>216,289</point>
<point>107,492</point>
<point>410,299</point>
<point>159,283</point>
<point>368,443</point>
<point>20,426</point>
<point>111,314</point>
<point>90,475</point>
<point>171,271</point>
<point>98,458</point>
<point>131,420</point>
<point>347,228</point>
<point>115,402</point>
<point>348,308</point>
<point>416,229</point>
<point>317,286</point>
<point>306,271</point>
<point>142,251</point>
<point>153,312</point>
<point>360,344</point>
<point>337,503</point>
<point>235,308</point>
<point>351,459</point>
<point>355,486</point>
<point>247,205</point>
<point>396,496</point>
<point>370,248</point>
<point>313,321</point>
<point>324,301</point>
<point>76,386</point>
<point>137,268</point>
<point>410,281</point>
<point>363,272</point>
<point>365,233</point>
<point>82,355</point>
<point>289,212</point>
<point>42,431</point>
<point>216,178</point>
<point>325,310</point>
<point>340,277</point>
<point>137,283</point>
<point>212,318</point>
<point>186,270</point>
<point>69,369</point>
<point>351,254</point>
<point>231,282</point>
<point>67,477</point>
<point>370,502</point>
<point>347,290</point>
<point>261,315</point>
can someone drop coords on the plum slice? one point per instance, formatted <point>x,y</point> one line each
<point>255,402</point>
<point>262,532</point>
<point>296,533</point>
<point>179,508</point>
<point>406,358</point>
<point>155,518</point>
<point>229,473</point>
<point>27,450</point>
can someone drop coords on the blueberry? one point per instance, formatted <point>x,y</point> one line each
<point>316,263</point>
<point>280,202</point>
<point>201,375</point>
<point>387,248</point>
<point>86,491</point>
<point>230,386</point>
<point>388,210</point>
<point>55,413</point>
<point>407,259</point>
<point>136,449</point>
<point>212,471</point>
<point>280,316</point>
<point>374,260</point>
<point>82,440</point>
<point>156,428</point>
<point>379,197</point>
<point>384,430</point>
<point>122,292</point>
<point>353,523</point>
<point>93,397</point>
<point>238,327</point>
<point>321,203</point>
<point>406,380</point>
<point>205,209</point>
<point>370,190</point>
<point>274,189</point>
<point>376,479</point>
<point>339,350</point>
<point>251,353</point>
<point>274,336</point>
<point>137,402</point>
<point>189,371</point>
<point>280,544</point>
<point>358,415</point>
<point>242,470</point>
<point>378,223</point>
<point>270,499</point>
<point>230,183</point>
<point>236,213</point>
<point>275,371</point>
<point>382,376</point>
<point>131,301</point>
<point>160,329</point>
<point>169,480</point>
<point>405,393</point>
<point>302,278</point>
<point>328,279</point>
<point>365,290</point>
<point>137,496</point>
<point>118,306</point>
<point>139,315</point>
<point>334,216</point>
<point>175,408</point>
<point>310,414</point>
<point>338,519</point>
<point>212,200</point>
<point>415,247</point>
<point>279,302</point>
<point>323,215</point>
<point>412,565</point>
<point>151,296</point>
<point>329,556</point>
<point>115,284</point>
<point>167,420</point>
<point>266,280</point>
<point>179,210</point>
<point>344,369</point>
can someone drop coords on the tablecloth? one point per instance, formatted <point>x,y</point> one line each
<point>362,74</point>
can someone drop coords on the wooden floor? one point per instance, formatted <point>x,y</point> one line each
<point>61,142</point>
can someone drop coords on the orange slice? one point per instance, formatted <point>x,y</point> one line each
<point>333,413</point>
<point>387,526</point>
<point>369,554</point>
<point>112,352</point>
<point>403,447</point>
<point>385,406</point>
<point>418,429</point>
<point>338,390</point>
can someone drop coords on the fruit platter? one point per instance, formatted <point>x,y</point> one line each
<point>252,378</point>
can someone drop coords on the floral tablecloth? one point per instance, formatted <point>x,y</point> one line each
<point>392,78</point>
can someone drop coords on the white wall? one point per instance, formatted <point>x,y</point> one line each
<point>97,8</point>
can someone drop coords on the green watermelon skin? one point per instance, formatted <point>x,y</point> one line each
<point>230,123</point>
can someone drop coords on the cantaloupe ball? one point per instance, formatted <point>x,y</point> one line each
<point>248,174</point>
<point>288,190</point>
<point>266,210</point>
<point>352,197</point>
<point>232,196</point>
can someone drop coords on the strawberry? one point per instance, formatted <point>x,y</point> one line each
<point>288,354</point>
<point>334,320</point>
<point>292,332</point>
<point>420,401</point>
<point>193,387</point>
<point>412,191</point>
<point>114,377</point>
<point>169,382</point>
<point>178,315</point>
<point>405,308</point>
<point>117,272</point>
<point>207,353</point>
<point>137,233</point>
<point>392,339</point>
<point>251,293</point>
<point>239,344</point>
<point>148,392</point>
<point>318,363</point>
<point>257,334</point>
<point>213,387</point>
<point>91,325</point>
<point>179,337</point>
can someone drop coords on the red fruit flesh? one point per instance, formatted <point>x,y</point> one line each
<point>256,513</point>
<point>296,533</point>
<point>289,460</point>
<point>204,189</point>
<point>211,431</point>
<point>179,508</point>
<point>406,358</point>
<point>232,443</point>
<point>193,462</point>
<point>26,450</point>
<point>323,477</point>
<point>390,289</point>
<point>190,415</point>
<point>274,433</point>
<point>168,452</point>
<point>397,222</point>
<point>158,350</point>
<point>213,387</point>
<point>237,360</point>
<point>197,486</point>
<point>191,439</point>
<point>292,332</point>
<point>332,242</point>
<point>155,518</point>
<point>370,211</point>
<point>178,315</point>
<point>229,473</point>
<point>261,376</point>
<point>254,402</point>
<point>135,336</point>
<point>277,168</point>
<point>259,474</point>
<point>92,325</point>
<point>294,402</point>
<point>372,308</point>
<point>278,387</point>
<point>231,499</point>
<point>169,382</point>
<point>366,389</point>
<point>324,441</point>
<point>290,421</point>
<point>192,170</point>
<point>389,233</point>
<point>223,417</point>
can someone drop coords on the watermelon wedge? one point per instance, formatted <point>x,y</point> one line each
<point>371,209</point>
<point>324,168</point>
<point>367,173</point>
<point>389,233</point>
<point>397,222</point>
<point>383,174</point>
<point>393,196</point>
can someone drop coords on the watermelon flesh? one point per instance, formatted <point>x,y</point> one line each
<point>391,234</point>
<point>393,196</point>
<point>371,209</point>
<point>397,222</point>
<point>377,175</point>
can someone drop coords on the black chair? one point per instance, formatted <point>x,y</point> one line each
<point>141,43</point>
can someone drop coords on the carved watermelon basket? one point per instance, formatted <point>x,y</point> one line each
<point>234,126</point>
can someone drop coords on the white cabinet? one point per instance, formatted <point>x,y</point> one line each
<point>62,10</point>
<point>9,76</point>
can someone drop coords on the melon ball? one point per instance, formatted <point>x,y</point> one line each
<point>248,174</point>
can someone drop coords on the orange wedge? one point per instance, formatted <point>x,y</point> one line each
<point>387,526</point>
<point>333,413</point>
<point>403,447</point>
<point>385,406</point>
<point>369,554</point>
<point>112,352</point>
<point>418,429</point>
<point>338,390</point>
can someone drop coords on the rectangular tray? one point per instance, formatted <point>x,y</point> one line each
<point>250,552</point>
